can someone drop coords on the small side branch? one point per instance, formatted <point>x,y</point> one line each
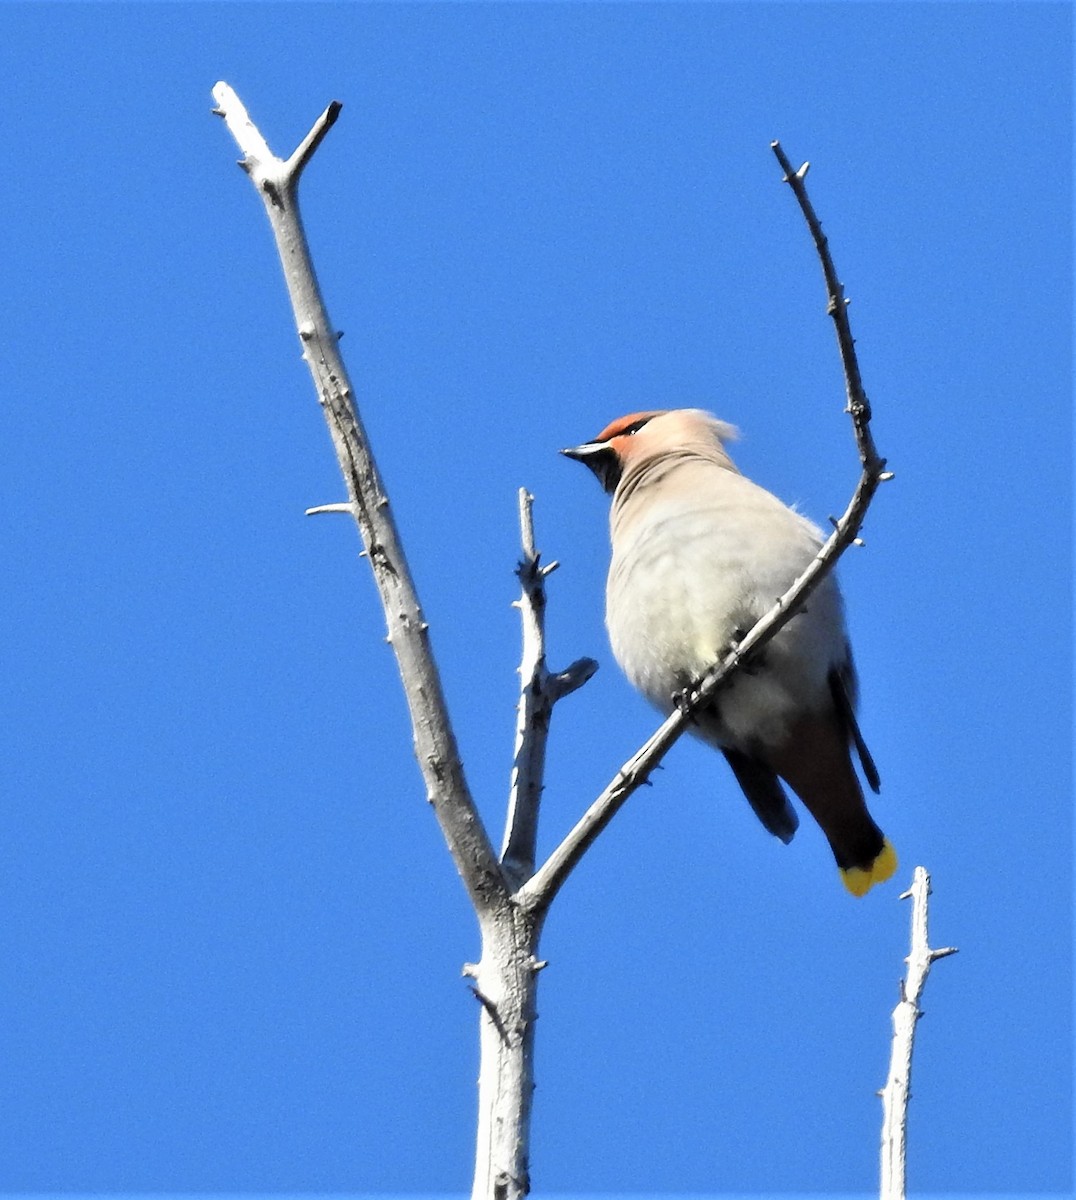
<point>331,508</point>
<point>897,1090</point>
<point>549,878</point>
<point>304,152</point>
<point>539,692</point>
<point>435,745</point>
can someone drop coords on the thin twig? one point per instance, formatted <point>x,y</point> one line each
<point>897,1090</point>
<point>549,878</point>
<point>539,691</point>
<point>435,745</point>
<point>858,404</point>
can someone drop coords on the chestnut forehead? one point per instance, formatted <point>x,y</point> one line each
<point>617,427</point>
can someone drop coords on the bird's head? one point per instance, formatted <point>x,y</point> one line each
<point>644,435</point>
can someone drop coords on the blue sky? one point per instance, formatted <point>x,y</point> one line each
<point>231,938</point>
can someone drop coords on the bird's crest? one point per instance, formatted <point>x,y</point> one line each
<point>625,426</point>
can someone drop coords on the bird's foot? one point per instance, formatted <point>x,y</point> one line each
<point>687,702</point>
<point>749,666</point>
<point>684,702</point>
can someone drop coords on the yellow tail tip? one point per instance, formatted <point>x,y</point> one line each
<point>860,880</point>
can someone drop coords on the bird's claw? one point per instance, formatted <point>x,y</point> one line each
<point>684,701</point>
<point>749,664</point>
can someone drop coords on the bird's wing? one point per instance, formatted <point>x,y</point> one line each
<point>764,793</point>
<point>842,698</point>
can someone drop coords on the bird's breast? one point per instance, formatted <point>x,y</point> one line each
<point>684,585</point>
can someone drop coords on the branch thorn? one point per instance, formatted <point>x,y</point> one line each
<point>330,508</point>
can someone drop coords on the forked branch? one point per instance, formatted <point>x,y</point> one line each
<point>510,899</point>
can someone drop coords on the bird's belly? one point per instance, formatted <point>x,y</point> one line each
<point>668,625</point>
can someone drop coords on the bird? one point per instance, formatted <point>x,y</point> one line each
<point>699,554</point>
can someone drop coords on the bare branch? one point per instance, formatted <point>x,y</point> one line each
<point>539,691</point>
<point>435,743</point>
<point>549,878</point>
<point>897,1090</point>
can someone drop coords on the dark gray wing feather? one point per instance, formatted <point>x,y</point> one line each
<point>764,793</point>
<point>842,690</point>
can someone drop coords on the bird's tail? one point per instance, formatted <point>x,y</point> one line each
<point>860,880</point>
<point>816,763</point>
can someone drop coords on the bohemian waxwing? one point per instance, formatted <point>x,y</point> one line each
<point>700,553</point>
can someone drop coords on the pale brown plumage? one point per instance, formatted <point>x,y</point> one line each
<point>700,553</point>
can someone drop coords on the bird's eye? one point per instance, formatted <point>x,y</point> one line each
<point>635,426</point>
